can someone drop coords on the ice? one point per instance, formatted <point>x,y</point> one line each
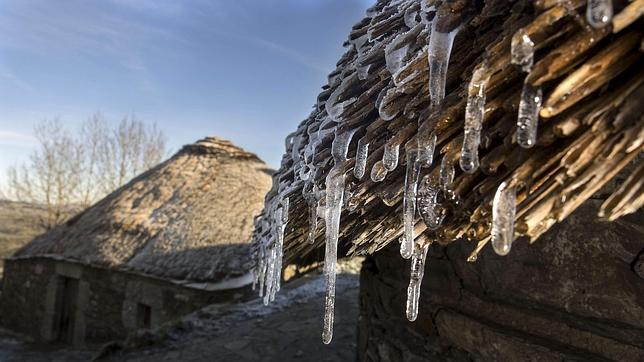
<point>503,213</point>
<point>334,107</point>
<point>528,118</point>
<point>426,145</point>
<point>312,195</point>
<point>415,280</point>
<point>474,112</point>
<point>410,18</point>
<point>599,13</point>
<point>378,172</point>
<point>361,158</point>
<point>395,57</point>
<point>397,51</point>
<point>440,48</point>
<point>409,202</point>
<point>335,185</point>
<point>446,172</point>
<point>363,71</point>
<point>428,207</point>
<point>390,156</point>
<point>384,109</point>
<point>522,50</point>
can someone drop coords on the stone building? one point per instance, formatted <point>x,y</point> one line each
<point>463,146</point>
<point>170,241</point>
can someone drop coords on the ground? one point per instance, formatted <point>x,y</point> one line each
<point>289,329</point>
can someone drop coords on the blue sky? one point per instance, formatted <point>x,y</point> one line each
<point>246,70</point>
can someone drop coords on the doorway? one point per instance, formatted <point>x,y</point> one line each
<point>65,312</point>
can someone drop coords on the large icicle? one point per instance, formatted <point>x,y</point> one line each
<point>599,13</point>
<point>335,185</point>
<point>528,118</point>
<point>409,202</point>
<point>440,48</point>
<point>415,280</point>
<point>361,159</point>
<point>522,50</point>
<point>503,213</point>
<point>474,112</point>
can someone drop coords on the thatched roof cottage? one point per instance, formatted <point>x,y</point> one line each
<point>170,241</point>
<point>481,128</point>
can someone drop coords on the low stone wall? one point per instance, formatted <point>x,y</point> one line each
<point>576,294</point>
<point>106,302</point>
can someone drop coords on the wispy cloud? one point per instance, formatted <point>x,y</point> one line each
<point>286,52</point>
<point>17,139</point>
<point>9,77</point>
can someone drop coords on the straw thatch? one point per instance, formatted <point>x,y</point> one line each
<point>590,124</point>
<point>189,219</point>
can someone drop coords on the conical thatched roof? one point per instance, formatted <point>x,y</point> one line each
<point>190,218</point>
<point>574,70</point>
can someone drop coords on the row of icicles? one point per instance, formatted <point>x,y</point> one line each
<point>419,194</point>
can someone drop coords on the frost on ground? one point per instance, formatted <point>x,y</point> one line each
<point>287,329</point>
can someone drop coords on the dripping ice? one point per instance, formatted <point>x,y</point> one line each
<point>522,50</point>
<point>503,213</point>
<point>440,48</point>
<point>530,102</point>
<point>335,187</point>
<point>599,13</point>
<point>361,158</point>
<point>415,280</point>
<point>528,118</point>
<point>474,112</point>
<point>390,156</point>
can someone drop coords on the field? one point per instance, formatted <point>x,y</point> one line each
<point>19,223</point>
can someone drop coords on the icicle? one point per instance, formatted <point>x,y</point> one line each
<point>378,172</point>
<point>335,182</point>
<point>310,194</point>
<point>361,159</point>
<point>410,18</point>
<point>440,48</point>
<point>522,50</point>
<point>363,71</point>
<point>270,261</point>
<point>599,13</point>
<point>474,112</point>
<point>335,108</point>
<point>409,202</point>
<point>528,118</point>
<point>426,145</point>
<point>428,207</point>
<point>390,156</point>
<point>415,280</point>
<point>503,213</point>
<point>386,108</point>
<point>394,57</point>
<point>446,172</point>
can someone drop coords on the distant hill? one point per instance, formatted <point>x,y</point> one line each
<point>19,223</point>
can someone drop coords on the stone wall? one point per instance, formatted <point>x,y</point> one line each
<point>107,299</point>
<point>576,294</point>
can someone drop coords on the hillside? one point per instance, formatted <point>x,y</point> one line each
<point>19,223</point>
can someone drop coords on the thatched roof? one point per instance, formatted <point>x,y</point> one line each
<point>520,60</point>
<point>190,218</point>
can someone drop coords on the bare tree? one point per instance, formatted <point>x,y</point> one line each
<point>68,173</point>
